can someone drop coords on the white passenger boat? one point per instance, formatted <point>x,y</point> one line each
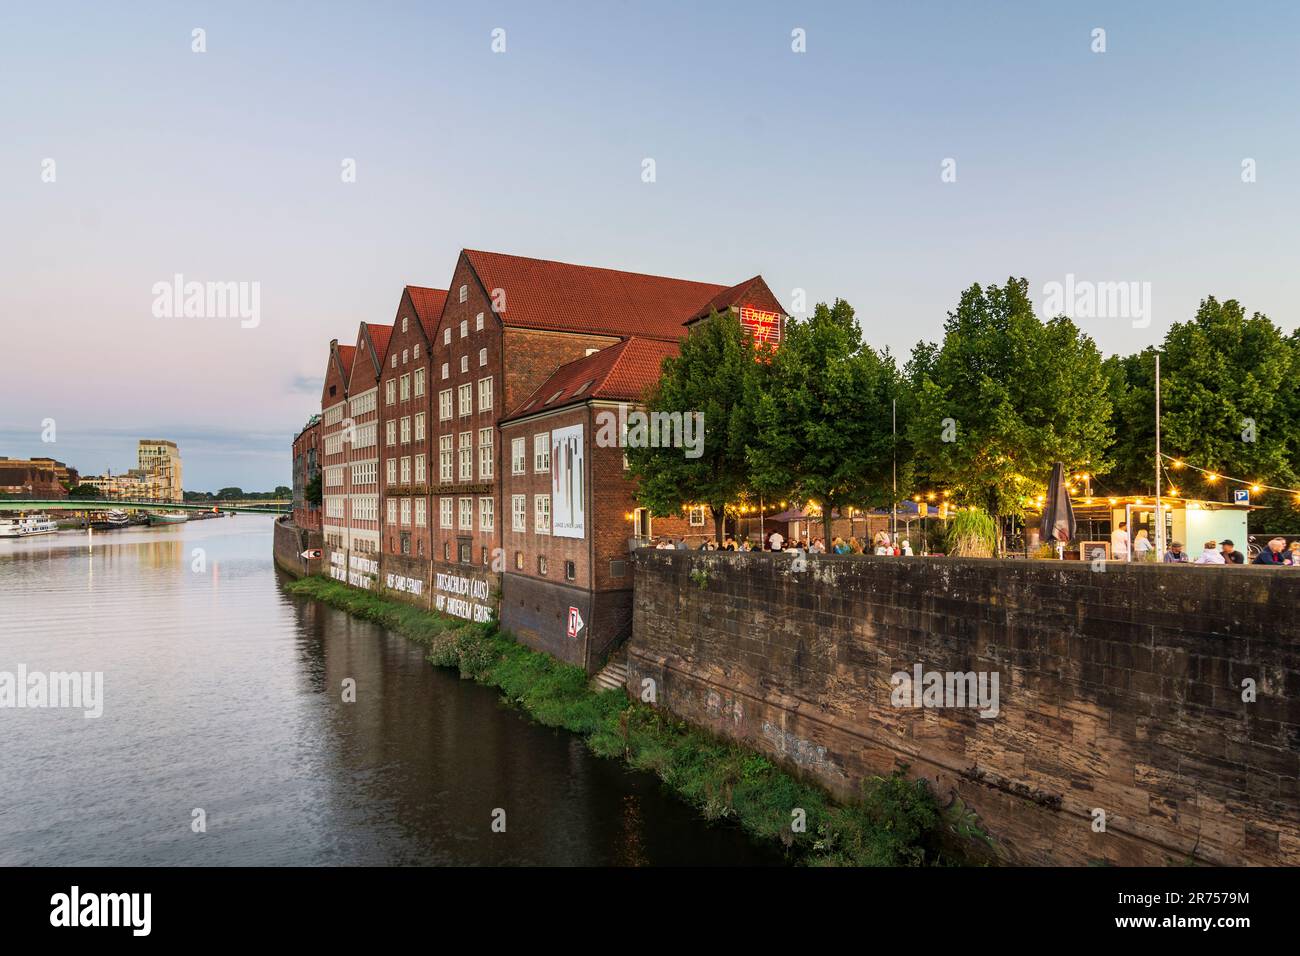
<point>27,525</point>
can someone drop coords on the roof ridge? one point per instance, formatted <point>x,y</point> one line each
<point>579,265</point>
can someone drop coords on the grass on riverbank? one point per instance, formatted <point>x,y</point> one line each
<point>896,823</point>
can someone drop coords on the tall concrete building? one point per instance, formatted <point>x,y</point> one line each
<point>159,461</point>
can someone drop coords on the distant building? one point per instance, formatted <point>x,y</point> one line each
<point>161,461</point>
<point>36,477</point>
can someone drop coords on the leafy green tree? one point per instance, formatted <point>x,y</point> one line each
<point>825,418</point>
<point>85,491</point>
<point>715,373</point>
<point>1131,382</point>
<point>230,494</point>
<point>1003,397</point>
<point>313,492</point>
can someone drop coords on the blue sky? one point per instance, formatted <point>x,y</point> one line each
<point>821,170</point>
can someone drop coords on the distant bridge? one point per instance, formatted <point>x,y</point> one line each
<point>104,504</point>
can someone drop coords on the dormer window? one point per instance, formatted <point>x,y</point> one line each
<point>554,397</point>
<point>583,387</point>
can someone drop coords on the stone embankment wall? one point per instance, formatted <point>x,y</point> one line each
<point>1145,714</point>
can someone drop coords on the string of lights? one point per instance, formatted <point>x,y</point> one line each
<point>1213,476</point>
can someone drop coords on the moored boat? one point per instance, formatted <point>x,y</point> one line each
<point>168,517</point>
<point>111,520</point>
<point>25,526</point>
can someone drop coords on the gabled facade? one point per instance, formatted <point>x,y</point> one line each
<point>404,432</point>
<point>334,483</point>
<point>361,438</point>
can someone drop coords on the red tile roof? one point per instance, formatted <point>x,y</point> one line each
<point>379,336</point>
<point>346,354</point>
<point>541,294</point>
<point>621,372</point>
<point>428,307</point>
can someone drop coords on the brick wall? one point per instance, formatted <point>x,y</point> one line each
<point>288,544</point>
<point>1119,692</point>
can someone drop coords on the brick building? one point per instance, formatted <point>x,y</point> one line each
<point>306,466</point>
<point>36,477</point>
<point>422,483</point>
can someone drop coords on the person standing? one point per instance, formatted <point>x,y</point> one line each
<point>1141,545</point>
<point>1294,554</point>
<point>1230,553</point>
<point>776,539</point>
<point>1119,542</point>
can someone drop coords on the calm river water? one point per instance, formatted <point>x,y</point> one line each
<point>223,693</point>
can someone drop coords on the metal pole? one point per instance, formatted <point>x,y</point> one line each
<point>1160,518</point>
<point>893,505</point>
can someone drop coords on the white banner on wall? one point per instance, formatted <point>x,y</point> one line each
<point>568,516</point>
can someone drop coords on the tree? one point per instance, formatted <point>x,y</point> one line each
<point>824,422</point>
<point>1003,397</point>
<point>1131,382</point>
<point>716,374</point>
<point>313,492</point>
<point>282,491</point>
<point>85,491</point>
<point>230,494</point>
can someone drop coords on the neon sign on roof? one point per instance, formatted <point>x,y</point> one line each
<point>765,327</point>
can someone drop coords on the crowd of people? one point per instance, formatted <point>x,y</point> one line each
<point>1276,552</point>
<point>882,544</point>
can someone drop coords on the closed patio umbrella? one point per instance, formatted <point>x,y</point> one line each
<point>1057,522</point>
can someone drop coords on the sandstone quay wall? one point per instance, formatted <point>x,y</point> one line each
<point>1119,691</point>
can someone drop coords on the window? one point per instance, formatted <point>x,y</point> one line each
<point>390,392</point>
<point>466,514</point>
<point>484,394</point>
<point>617,568</point>
<point>465,398</point>
<point>419,469</point>
<point>462,552</point>
<point>446,336</point>
<point>485,455</point>
<point>444,459</point>
<point>444,370</point>
<point>394,362</point>
<point>485,514</point>
<point>403,323</point>
<point>444,405</point>
<point>464,326</point>
<point>517,453</point>
<point>406,354</point>
<point>404,392</point>
<point>406,511</point>
<point>466,451</point>
<point>419,426</point>
<point>464,292</point>
<point>416,352</point>
<point>519,560</point>
<point>541,564</point>
<point>542,514</point>
<point>421,516</point>
<point>390,432</point>
<point>446,550</point>
<point>406,471</point>
<point>444,514</point>
<point>406,430</point>
<point>419,381</point>
<point>478,322</point>
<point>518,512</point>
<point>570,571</point>
<point>391,469</point>
<point>392,510</point>
<point>542,452</point>
<point>464,363</point>
<point>482,357</point>
<point>697,516</point>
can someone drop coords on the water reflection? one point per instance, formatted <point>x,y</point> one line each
<point>224,693</point>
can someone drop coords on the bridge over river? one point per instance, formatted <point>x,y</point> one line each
<point>275,507</point>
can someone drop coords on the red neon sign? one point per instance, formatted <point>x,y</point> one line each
<point>765,327</point>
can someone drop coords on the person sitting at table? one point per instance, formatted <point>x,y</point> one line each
<point>1230,553</point>
<point>1175,554</point>
<point>1210,555</point>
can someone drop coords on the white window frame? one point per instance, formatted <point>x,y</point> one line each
<point>486,513</point>
<point>446,459</point>
<point>542,453</point>
<point>465,399</point>
<point>542,514</point>
<point>518,455</point>
<point>485,394</point>
<point>518,512</point>
<point>446,513</point>
<point>486,453</point>
<point>466,514</point>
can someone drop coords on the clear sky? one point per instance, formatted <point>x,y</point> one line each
<point>821,170</point>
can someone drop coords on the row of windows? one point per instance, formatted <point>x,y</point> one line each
<point>541,513</point>
<point>365,507</point>
<point>402,466</point>
<point>333,415</point>
<point>465,399</point>
<point>541,453</point>
<point>365,473</point>
<point>402,515</point>
<point>401,388</point>
<point>465,457</point>
<point>392,428</point>
<point>463,509</point>
<point>363,403</point>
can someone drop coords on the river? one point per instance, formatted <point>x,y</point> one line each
<point>222,694</point>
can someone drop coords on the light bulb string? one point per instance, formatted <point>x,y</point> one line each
<point>1179,463</point>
